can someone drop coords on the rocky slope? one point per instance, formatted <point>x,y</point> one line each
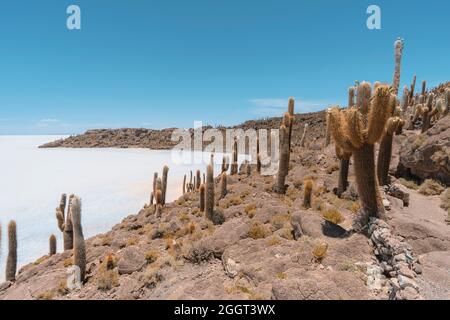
<point>257,252</point>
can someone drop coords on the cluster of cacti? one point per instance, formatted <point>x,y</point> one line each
<point>284,149</point>
<point>65,220</point>
<point>11,260</point>
<point>79,247</point>
<point>356,130</point>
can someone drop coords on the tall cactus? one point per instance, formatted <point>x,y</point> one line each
<point>198,180</point>
<point>427,113</point>
<point>398,58</point>
<point>155,178</point>
<point>79,247</point>
<point>234,163</point>
<point>356,130</point>
<point>283,166</point>
<point>412,87</point>
<point>209,198</point>
<point>327,132</point>
<point>223,185</point>
<point>11,261</point>
<point>65,221</point>
<point>164,184</point>
<point>385,150</point>
<point>158,205</point>
<point>202,198</point>
<point>184,184</point>
<point>344,163</point>
<point>291,106</point>
<point>351,97</point>
<point>225,163</point>
<point>424,88</point>
<point>52,245</point>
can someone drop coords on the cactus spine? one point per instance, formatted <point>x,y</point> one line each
<point>52,245</point>
<point>308,186</point>
<point>223,185</point>
<point>11,261</point>
<point>209,198</point>
<point>202,198</point>
<point>79,248</point>
<point>65,221</point>
<point>398,58</point>
<point>356,130</point>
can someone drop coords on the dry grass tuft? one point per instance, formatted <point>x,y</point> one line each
<point>431,188</point>
<point>258,231</point>
<point>408,183</point>
<point>320,250</point>
<point>333,215</point>
<point>151,256</point>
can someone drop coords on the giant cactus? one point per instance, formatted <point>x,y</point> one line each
<point>65,221</point>
<point>356,130</point>
<point>283,166</point>
<point>11,261</point>
<point>79,247</point>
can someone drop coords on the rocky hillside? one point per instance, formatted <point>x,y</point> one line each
<point>161,139</point>
<point>269,246</point>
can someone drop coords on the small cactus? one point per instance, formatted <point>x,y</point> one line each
<point>198,180</point>
<point>79,247</point>
<point>65,221</point>
<point>209,197</point>
<point>223,185</point>
<point>52,245</point>
<point>225,163</point>
<point>202,198</point>
<point>308,186</point>
<point>164,184</point>
<point>11,261</point>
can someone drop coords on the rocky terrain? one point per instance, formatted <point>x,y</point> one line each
<point>270,245</point>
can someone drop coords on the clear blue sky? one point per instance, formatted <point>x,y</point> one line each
<point>164,63</point>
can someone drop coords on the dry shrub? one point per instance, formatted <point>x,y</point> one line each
<point>408,183</point>
<point>151,256</point>
<point>257,231</point>
<point>250,210</point>
<point>281,275</point>
<point>47,295</point>
<point>273,241</point>
<point>198,252</point>
<point>152,276</point>
<point>132,241</point>
<point>355,207</point>
<point>235,201</point>
<point>431,188</point>
<point>279,221</point>
<point>334,216</point>
<point>68,262</point>
<point>332,168</point>
<point>445,199</point>
<point>320,250</point>
<point>107,276</point>
<point>62,287</point>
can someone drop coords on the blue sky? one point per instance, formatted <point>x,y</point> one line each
<point>166,63</point>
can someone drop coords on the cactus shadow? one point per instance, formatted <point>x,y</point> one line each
<point>332,230</point>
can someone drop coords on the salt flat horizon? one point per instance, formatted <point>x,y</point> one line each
<point>112,183</point>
